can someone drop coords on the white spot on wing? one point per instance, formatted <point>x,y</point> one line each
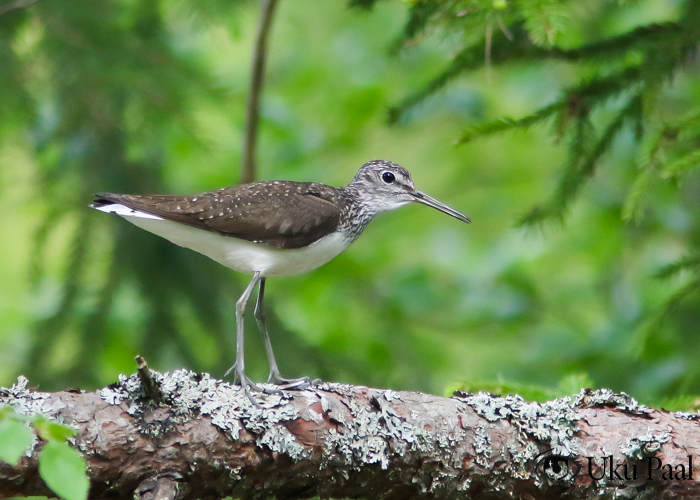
<point>125,211</point>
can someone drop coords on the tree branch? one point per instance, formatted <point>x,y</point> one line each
<point>250,135</point>
<point>204,439</point>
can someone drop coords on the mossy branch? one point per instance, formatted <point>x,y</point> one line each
<point>202,438</point>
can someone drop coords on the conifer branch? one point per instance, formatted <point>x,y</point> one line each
<point>468,59</point>
<point>503,124</point>
<point>669,134</point>
<point>544,20</point>
<point>647,37</point>
<point>583,159</point>
<point>518,47</point>
<point>418,18</point>
<point>572,179</point>
<point>633,208</point>
<point>691,119</point>
<point>687,263</point>
<point>654,324</point>
<point>598,90</point>
<point>584,96</point>
<point>680,167</point>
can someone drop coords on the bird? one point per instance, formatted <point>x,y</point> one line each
<point>272,229</point>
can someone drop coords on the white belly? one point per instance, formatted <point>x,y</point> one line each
<point>245,256</point>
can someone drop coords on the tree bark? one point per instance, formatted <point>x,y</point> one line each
<point>202,438</point>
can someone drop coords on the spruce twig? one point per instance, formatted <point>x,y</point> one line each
<point>680,167</point>
<point>583,159</point>
<point>689,262</point>
<point>503,124</point>
<point>654,324</point>
<point>517,46</point>
<point>148,382</point>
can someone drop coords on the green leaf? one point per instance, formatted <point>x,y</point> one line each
<point>51,431</point>
<point>63,470</point>
<point>14,440</point>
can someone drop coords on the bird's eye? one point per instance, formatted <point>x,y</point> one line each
<point>388,177</point>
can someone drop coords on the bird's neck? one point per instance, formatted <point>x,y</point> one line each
<point>358,212</point>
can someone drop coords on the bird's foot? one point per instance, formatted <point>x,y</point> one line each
<point>280,383</point>
<point>244,381</point>
<point>298,384</point>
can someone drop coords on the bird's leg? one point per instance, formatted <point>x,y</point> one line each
<point>274,377</point>
<point>239,366</point>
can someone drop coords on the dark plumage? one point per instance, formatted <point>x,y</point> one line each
<point>281,214</point>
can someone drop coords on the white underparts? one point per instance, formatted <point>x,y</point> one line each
<point>237,254</point>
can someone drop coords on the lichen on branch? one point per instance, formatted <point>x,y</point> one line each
<point>203,438</point>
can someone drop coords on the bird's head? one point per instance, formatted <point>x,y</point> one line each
<point>384,185</point>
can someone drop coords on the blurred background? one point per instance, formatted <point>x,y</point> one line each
<point>567,131</point>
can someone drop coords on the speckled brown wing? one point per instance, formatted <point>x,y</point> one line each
<point>281,214</point>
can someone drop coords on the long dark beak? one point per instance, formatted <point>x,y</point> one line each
<point>432,202</point>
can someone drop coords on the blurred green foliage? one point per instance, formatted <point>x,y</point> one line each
<point>140,96</point>
<point>61,467</point>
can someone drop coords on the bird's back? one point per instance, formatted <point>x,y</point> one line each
<point>280,214</point>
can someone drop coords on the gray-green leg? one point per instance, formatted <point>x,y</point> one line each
<point>239,366</point>
<point>274,377</point>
